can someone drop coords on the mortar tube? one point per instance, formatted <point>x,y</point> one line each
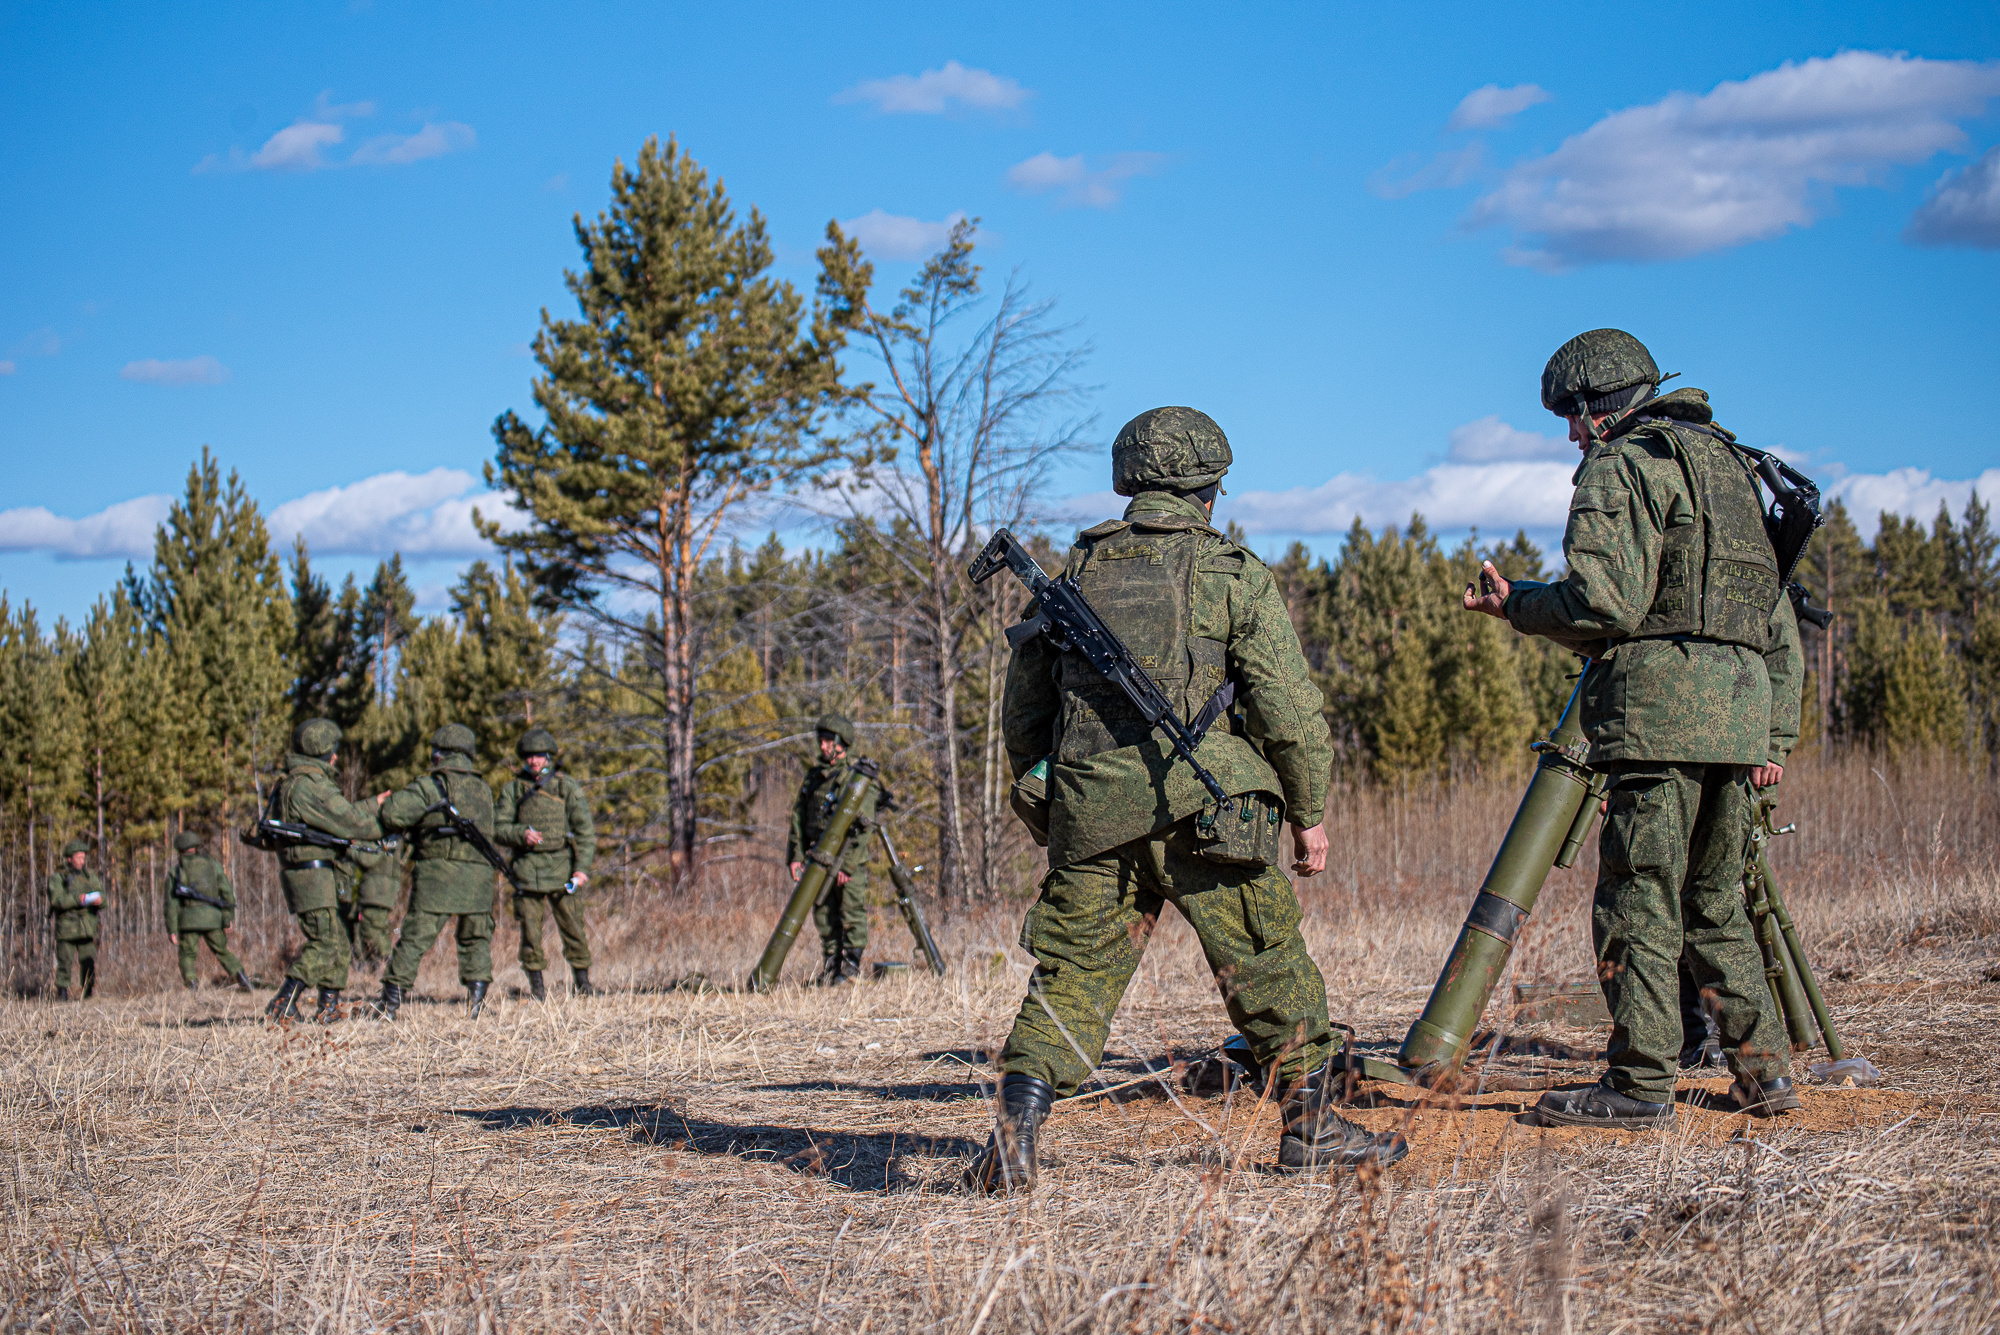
<point>1778,970</point>
<point>1542,824</point>
<point>821,864</point>
<point>1835,1049</point>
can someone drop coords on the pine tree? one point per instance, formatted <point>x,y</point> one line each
<point>1408,732</point>
<point>41,750</point>
<point>1923,706</point>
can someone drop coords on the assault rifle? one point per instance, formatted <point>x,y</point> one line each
<point>1071,623</point>
<point>462,826</point>
<point>182,890</point>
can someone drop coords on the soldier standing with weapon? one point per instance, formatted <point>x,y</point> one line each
<point>201,906</point>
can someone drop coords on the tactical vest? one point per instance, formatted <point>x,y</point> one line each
<point>1140,579</point>
<point>474,800</point>
<point>545,806</point>
<point>1718,574</point>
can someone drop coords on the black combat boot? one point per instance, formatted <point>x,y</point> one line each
<point>850,965</point>
<point>1764,1098</point>
<point>392,997</point>
<point>475,997</point>
<point>829,971</point>
<point>243,983</point>
<point>1007,1164</point>
<point>62,994</point>
<point>535,988</point>
<point>1701,1041</point>
<point>329,1006</point>
<point>1600,1105</point>
<point>285,1006</point>
<point>89,979</point>
<point>579,982</point>
<point>1315,1136</point>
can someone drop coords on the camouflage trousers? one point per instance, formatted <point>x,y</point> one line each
<point>421,929</point>
<point>1670,886</point>
<point>69,954</point>
<point>368,934</point>
<point>842,915</point>
<point>323,963</point>
<point>567,910</point>
<point>218,946</point>
<point>1089,929</point>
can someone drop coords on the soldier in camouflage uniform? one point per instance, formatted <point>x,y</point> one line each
<point>546,815</point>
<point>314,877</point>
<point>375,899</point>
<point>842,912</point>
<point>1131,829</point>
<point>449,878</point>
<point>191,921</point>
<point>1673,591</point>
<point>76,897</point>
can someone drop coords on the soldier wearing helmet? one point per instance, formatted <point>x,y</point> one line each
<point>1129,830</point>
<point>545,814</point>
<point>76,897</point>
<point>315,878</point>
<point>449,878</point>
<point>842,912</point>
<point>1692,700</point>
<point>201,907</point>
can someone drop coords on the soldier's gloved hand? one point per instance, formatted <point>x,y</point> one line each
<point>1308,850</point>
<point>533,837</point>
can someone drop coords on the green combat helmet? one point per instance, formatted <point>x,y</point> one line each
<point>454,737</point>
<point>76,846</point>
<point>535,742</point>
<point>316,737</point>
<point>836,725</point>
<point>1596,373</point>
<point>1169,449</point>
<point>186,841</point>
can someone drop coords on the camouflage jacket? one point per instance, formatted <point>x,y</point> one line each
<point>555,807</point>
<point>204,875</point>
<point>1273,739</point>
<point>71,921</point>
<point>310,795</point>
<point>1675,698</point>
<point>818,795</point>
<point>448,875</point>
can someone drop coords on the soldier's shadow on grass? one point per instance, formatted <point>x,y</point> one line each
<point>921,1091</point>
<point>207,1022</point>
<point>858,1161</point>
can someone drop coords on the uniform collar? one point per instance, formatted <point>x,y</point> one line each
<point>296,763</point>
<point>1166,503</point>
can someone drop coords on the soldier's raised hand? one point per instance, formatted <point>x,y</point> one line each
<point>1490,594</point>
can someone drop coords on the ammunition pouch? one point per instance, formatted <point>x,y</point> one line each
<point>1029,797</point>
<point>1241,832</point>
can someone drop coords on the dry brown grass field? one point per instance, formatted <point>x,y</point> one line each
<point>662,1159</point>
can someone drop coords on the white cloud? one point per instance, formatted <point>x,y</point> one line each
<point>1912,492</point>
<point>1081,184</point>
<point>297,147</point>
<point>940,90</point>
<point>123,530</point>
<point>433,141</point>
<point>6,368</point>
<point>1490,440</point>
<point>203,370</point>
<point>43,342</point>
<point>1963,209</point>
<point>1483,108</point>
<point>1499,496</point>
<point>1447,171</point>
<point>891,236</point>
<point>425,514</point>
<point>1746,161</point>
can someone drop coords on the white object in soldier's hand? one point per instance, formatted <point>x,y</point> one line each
<point>90,899</point>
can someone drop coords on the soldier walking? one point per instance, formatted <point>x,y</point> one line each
<point>1673,591</point>
<point>312,876</point>
<point>76,897</point>
<point>201,906</point>
<point>842,912</point>
<point>1129,829</point>
<point>449,877</point>
<point>546,815</point>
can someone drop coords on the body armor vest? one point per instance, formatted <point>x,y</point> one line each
<point>474,800</point>
<point>546,807</point>
<point>1718,574</point>
<point>1140,579</point>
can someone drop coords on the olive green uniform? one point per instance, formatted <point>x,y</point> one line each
<point>73,925</point>
<point>555,807</point>
<point>192,922</point>
<point>1673,589</point>
<point>315,878</point>
<point>842,912</point>
<point>368,910</point>
<point>1131,828</point>
<point>449,879</point>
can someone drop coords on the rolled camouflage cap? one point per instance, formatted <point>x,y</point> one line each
<point>1169,449</point>
<point>186,840</point>
<point>836,725</point>
<point>454,737</point>
<point>76,846</point>
<point>1608,367</point>
<point>316,737</point>
<point>536,742</point>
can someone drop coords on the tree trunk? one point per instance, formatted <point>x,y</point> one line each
<point>944,743</point>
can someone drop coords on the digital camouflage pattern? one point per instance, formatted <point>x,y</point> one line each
<point>374,900</point>
<point>1168,449</point>
<point>530,912</point>
<point>73,926</point>
<point>1224,617</point>
<point>1197,610</point>
<point>310,795</point>
<point>1670,886</point>
<point>1690,698</point>
<point>448,876</point>
<point>842,912</point>
<point>1089,929</point>
<point>556,807</point>
<point>193,922</point>
<point>1595,364</point>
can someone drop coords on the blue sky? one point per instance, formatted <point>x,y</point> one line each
<point>316,237</point>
